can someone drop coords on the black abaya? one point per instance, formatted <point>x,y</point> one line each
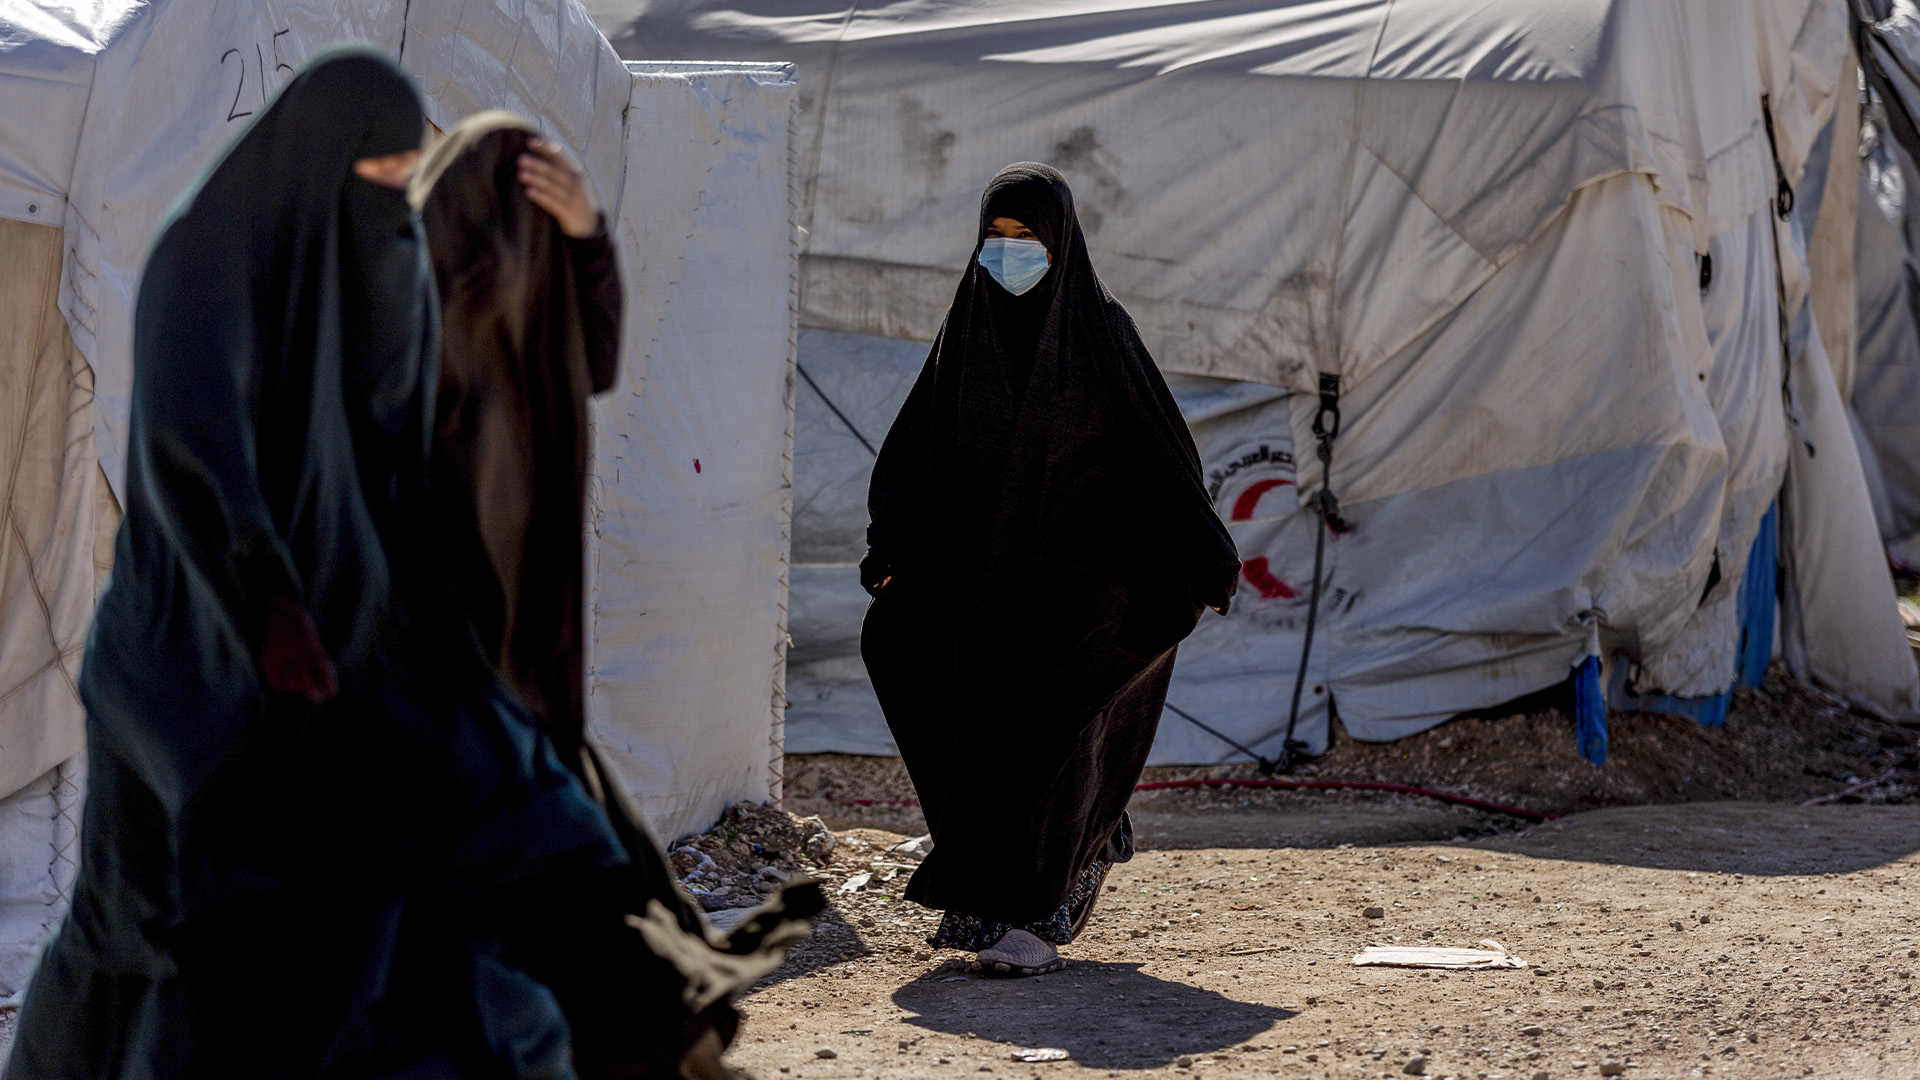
<point>1039,507</point>
<point>268,886</point>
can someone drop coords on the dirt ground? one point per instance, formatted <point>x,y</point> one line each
<point>1721,939</point>
<point>1683,916</point>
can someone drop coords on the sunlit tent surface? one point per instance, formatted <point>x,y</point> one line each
<point>1533,246</point>
<point>114,108</point>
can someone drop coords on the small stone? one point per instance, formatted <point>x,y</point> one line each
<point>1532,1029</point>
<point>1586,1008</point>
<point>1313,999</point>
<point>1599,984</point>
<point>1578,1064</point>
<point>1753,1036</point>
<point>1183,1061</point>
<point>1137,932</point>
<point>1375,913</point>
<point>825,1052</point>
<point>1415,1066</point>
<point>1313,1057</point>
<point>1615,1068</point>
<point>1913,954</point>
<point>1542,971</point>
<point>1542,1075</point>
<point>923,954</point>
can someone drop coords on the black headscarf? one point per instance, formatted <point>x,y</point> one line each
<point>1039,503</point>
<point>248,856</point>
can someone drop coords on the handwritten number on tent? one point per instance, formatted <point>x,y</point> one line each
<point>234,113</point>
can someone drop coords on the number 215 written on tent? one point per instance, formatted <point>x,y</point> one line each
<point>251,79</point>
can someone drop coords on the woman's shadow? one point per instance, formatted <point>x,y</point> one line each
<point>1107,1016</point>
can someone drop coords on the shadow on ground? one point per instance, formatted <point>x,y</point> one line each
<point>1107,1015</point>
<point>1763,839</point>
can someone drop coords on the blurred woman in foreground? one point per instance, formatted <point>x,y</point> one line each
<point>321,836</point>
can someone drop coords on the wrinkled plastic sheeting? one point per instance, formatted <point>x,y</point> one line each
<point>690,500</point>
<point>39,855</point>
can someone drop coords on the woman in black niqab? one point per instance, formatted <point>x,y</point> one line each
<point>305,781</point>
<point>1040,544</point>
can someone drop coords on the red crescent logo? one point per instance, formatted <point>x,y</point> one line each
<point>1250,498</point>
<point>1257,575</point>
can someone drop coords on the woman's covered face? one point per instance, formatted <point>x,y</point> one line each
<point>1013,257</point>
<point>388,170</point>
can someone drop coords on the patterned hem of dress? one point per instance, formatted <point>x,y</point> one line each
<point>959,930</point>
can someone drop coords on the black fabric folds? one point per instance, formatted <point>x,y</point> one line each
<point>531,333</point>
<point>1038,504</point>
<point>260,875</point>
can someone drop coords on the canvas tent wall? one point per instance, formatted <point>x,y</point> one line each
<point>1488,222</point>
<point>113,110</point>
<point>1886,372</point>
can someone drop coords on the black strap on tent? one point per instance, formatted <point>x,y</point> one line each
<point>1782,191</point>
<point>1326,427</point>
<point>836,410</point>
<point>1783,205</point>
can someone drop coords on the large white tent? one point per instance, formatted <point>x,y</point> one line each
<point>1534,246</point>
<point>113,108</point>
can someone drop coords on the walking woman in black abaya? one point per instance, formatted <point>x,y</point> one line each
<point>1040,544</point>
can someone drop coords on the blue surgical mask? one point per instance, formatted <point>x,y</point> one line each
<point>1018,265</point>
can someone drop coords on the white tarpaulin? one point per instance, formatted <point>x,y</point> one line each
<point>113,110</point>
<point>1486,221</point>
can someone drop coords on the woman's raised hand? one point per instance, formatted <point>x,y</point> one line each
<point>555,184</point>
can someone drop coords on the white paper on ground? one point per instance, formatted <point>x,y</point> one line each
<point>1490,954</point>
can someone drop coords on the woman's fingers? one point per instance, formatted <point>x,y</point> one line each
<point>555,184</point>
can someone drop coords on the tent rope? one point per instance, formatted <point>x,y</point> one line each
<point>1326,426</point>
<point>836,409</point>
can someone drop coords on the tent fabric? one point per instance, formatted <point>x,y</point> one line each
<point>1488,222</point>
<point>39,854</point>
<point>1887,274</point>
<point>687,574</point>
<point>59,516</point>
<point>690,494</point>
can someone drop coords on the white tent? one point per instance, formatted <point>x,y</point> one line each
<point>112,109</point>
<point>1886,371</point>
<point>1488,225</point>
